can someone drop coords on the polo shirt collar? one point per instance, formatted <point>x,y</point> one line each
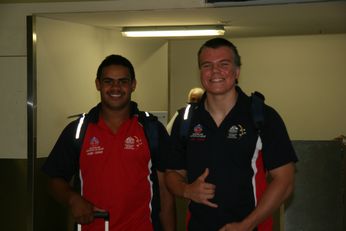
<point>94,113</point>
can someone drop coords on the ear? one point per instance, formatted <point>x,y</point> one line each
<point>133,85</point>
<point>98,84</point>
<point>237,73</point>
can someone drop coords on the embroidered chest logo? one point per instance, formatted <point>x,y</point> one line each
<point>132,142</point>
<point>198,133</point>
<point>236,132</point>
<point>94,147</point>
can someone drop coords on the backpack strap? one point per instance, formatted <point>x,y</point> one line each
<point>186,120</point>
<point>80,131</point>
<point>82,125</point>
<point>150,125</point>
<point>257,110</point>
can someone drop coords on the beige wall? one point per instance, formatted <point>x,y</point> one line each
<point>303,77</point>
<point>150,59</point>
<point>13,107</point>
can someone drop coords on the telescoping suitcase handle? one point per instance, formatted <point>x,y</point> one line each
<point>102,215</point>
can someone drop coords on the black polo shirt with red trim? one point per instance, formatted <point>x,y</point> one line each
<point>237,159</point>
<point>117,171</point>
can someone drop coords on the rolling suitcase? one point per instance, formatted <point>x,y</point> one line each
<point>102,215</point>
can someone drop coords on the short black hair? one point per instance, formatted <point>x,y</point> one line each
<point>221,42</point>
<point>116,60</point>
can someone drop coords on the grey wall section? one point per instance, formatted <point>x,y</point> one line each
<point>13,194</point>
<point>49,215</point>
<point>317,204</point>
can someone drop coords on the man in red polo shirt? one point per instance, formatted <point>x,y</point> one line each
<point>117,169</point>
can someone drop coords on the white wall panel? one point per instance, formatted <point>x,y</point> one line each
<point>67,59</point>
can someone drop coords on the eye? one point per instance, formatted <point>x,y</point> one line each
<point>124,81</point>
<point>225,64</point>
<point>206,66</point>
<point>107,81</point>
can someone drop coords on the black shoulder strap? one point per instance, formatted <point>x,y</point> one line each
<point>186,120</point>
<point>257,110</point>
<point>80,131</point>
<point>148,120</point>
<point>82,125</point>
<point>150,125</point>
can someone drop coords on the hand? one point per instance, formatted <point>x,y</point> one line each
<point>200,191</point>
<point>82,210</point>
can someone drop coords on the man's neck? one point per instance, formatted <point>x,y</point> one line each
<point>220,105</point>
<point>115,118</point>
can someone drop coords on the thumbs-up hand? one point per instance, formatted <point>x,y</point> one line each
<point>200,191</point>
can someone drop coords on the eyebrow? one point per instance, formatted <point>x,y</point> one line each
<point>220,61</point>
<point>124,77</point>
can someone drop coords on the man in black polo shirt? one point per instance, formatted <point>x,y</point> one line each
<point>223,164</point>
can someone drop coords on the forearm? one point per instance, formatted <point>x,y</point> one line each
<point>269,203</point>
<point>176,183</point>
<point>81,209</point>
<point>168,216</point>
<point>168,209</point>
<point>276,193</point>
<point>62,191</point>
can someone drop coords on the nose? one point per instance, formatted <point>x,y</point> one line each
<point>216,67</point>
<point>116,83</point>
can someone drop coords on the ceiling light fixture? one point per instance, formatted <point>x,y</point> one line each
<point>173,31</point>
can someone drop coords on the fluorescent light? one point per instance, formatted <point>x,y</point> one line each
<point>173,31</point>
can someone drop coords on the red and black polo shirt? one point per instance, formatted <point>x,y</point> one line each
<point>237,159</point>
<point>117,172</point>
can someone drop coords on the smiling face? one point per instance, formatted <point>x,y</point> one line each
<point>218,72</point>
<point>115,86</point>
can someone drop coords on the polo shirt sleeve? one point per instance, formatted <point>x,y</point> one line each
<point>277,146</point>
<point>177,156</point>
<point>63,159</point>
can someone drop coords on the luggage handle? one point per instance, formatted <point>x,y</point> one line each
<point>102,215</point>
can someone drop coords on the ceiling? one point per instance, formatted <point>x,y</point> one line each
<point>326,17</point>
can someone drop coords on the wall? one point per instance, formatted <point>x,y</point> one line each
<point>303,77</point>
<point>67,57</point>
<point>150,59</point>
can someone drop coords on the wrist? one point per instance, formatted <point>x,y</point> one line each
<point>186,192</point>
<point>248,225</point>
<point>72,198</point>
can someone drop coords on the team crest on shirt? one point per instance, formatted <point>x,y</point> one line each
<point>236,132</point>
<point>132,142</point>
<point>198,132</point>
<point>94,147</point>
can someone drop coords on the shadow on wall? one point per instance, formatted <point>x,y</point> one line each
<point>49,215</point>
<point>318,200</point>
<point>13,194</point>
